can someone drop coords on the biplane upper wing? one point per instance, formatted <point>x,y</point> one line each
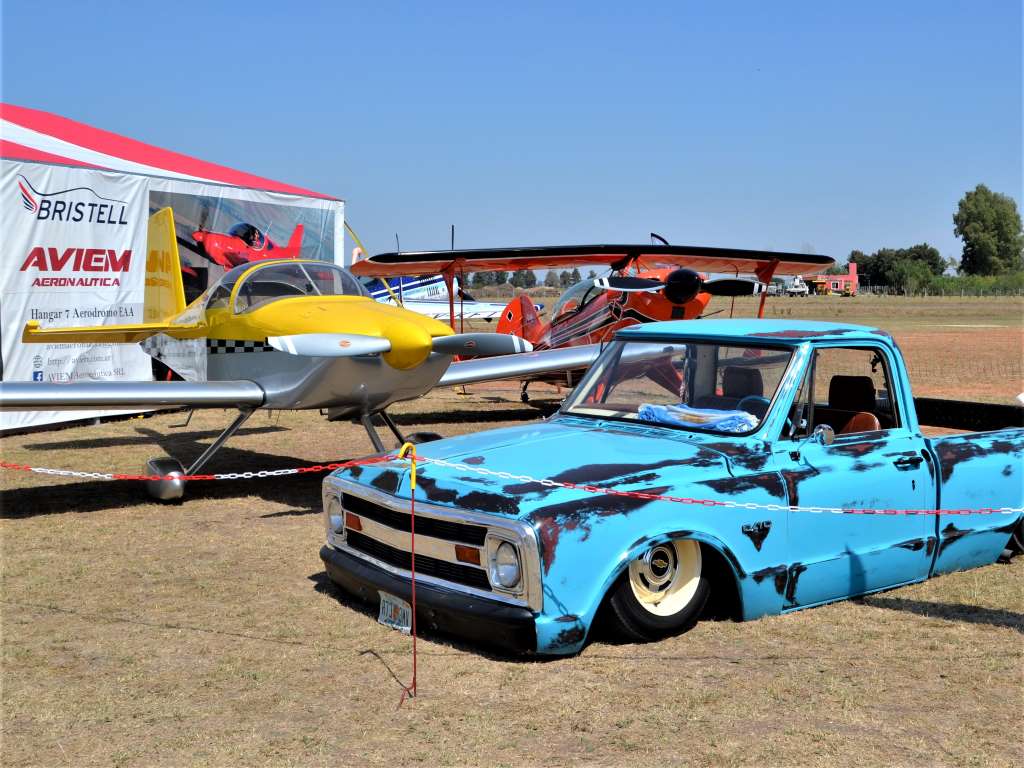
<point>699,258</point>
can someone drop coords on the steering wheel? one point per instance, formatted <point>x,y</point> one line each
<point>755,405</point>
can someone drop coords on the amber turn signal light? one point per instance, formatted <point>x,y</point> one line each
<point>467,554</point>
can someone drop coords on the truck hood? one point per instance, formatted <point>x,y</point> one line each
<point>589,452</point>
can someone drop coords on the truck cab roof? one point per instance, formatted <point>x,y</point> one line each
<point>750,329</point>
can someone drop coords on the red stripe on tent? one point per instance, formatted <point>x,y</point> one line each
<point>10,150</point>
<point>137,152</point>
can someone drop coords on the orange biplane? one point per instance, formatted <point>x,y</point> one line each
<point>644,283</point>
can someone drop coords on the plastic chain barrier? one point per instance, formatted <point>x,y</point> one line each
<point>713,502</point>
<point>547,483</point>
<point>222,476</point>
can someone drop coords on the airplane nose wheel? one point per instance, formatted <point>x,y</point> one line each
<point>165,489</point>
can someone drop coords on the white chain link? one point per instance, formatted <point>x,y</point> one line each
<point>750,505</point>
<point>548,483</point>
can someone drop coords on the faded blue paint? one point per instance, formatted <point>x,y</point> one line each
<point>781,560</point>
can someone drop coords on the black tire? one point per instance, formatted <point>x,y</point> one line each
<point>634,620</point>
<point>1016,542</point>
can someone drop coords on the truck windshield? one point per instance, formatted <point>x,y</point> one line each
<point>705,386</point>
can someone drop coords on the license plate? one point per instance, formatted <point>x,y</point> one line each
<point>395,613</point>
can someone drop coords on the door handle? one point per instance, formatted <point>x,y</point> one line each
<point>908,461</point>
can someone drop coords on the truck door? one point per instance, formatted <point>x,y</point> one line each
<point>874,462</point>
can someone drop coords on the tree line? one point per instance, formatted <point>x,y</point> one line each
<point>527,278</point>
<point>992,259</point>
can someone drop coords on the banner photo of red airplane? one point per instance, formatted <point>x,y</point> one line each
<point>216,233</point>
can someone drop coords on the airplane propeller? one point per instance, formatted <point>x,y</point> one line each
<point>681,285</point>
<point>353,344</point>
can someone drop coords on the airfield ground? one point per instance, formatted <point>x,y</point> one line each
<point>207,634</point>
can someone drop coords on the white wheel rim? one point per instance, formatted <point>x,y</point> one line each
<point>665,578</point>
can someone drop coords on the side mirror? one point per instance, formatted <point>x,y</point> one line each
<point>823,434</point>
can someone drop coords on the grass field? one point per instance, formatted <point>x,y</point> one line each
<point>206,633</point>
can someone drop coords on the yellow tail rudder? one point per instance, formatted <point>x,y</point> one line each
<point>165,294</point>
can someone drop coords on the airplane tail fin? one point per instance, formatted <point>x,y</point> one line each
<point>295,241</point>
<point>165,294</point>
<point>521,319</point>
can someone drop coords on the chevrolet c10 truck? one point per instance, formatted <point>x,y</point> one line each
<point>773,418</point>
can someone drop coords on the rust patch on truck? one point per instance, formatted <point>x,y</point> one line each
<point>387,481</point>
<point>606,475</point>
<point>555,519</point>
<point>757,532</point>
<point>779,574</point>
<point>479,501</point>
<point>767,481</point>
<point>957,451</point>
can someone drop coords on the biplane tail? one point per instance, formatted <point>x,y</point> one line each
<point>520,318</point>
<point>163,303</point>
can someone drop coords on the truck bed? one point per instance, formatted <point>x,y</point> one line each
<point>963,415</point>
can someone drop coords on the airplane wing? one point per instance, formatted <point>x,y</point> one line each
<point>700,258</point>
<point>469,310</point>
<point>112,334</point>
<point>516,366</point>
<point>82,395</point>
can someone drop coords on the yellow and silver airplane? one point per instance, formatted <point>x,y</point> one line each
<point>279,334</point>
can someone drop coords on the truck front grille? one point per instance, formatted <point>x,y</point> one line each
<point>459,574</point>
<point>463,533</point>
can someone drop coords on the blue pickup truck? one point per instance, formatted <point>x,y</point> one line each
<point>787,426</point>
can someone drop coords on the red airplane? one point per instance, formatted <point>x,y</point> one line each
<point>645,283</point>
<point>244,243</point>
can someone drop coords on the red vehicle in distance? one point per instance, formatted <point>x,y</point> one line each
<point>244,243</point>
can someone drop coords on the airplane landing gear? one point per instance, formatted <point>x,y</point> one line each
<point>173,488</point>
<point>416,438</point>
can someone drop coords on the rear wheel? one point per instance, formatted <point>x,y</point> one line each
<point>1016,542</point>
<point>662,593</point>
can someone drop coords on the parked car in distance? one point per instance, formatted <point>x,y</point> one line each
<point>756,415</point>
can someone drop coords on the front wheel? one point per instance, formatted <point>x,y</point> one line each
<point>661,594</point>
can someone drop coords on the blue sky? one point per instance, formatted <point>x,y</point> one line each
<point>789,126</point>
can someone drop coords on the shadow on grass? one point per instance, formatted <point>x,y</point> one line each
<point>970,614</point>
<point>323,585</point>
<point>299,492</point>
<point>145,436</point>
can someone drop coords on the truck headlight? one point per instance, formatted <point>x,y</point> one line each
<point>505,569</point>
<point>334,514</point>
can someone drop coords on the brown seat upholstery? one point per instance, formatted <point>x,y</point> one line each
<point>861,422</point>
<point>851,393</point>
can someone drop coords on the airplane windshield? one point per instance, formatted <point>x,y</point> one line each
<point>574,298</point>
<point>289,279</point>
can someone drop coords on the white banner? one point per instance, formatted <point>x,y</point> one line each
<point>73,254</point>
